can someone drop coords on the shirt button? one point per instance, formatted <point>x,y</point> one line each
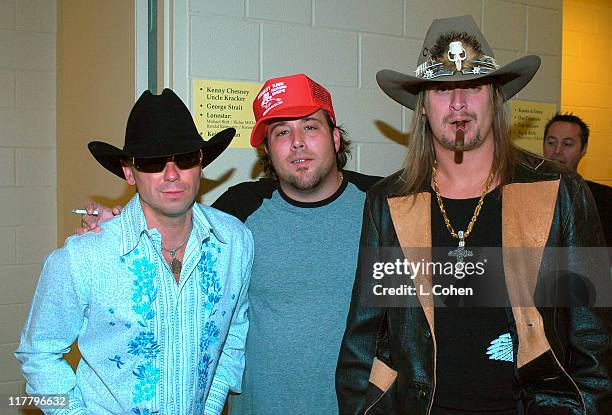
<point>427,333</point>
<point>423,394</point>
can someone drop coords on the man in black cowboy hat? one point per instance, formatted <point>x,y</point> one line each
<point>157,300</point>
<point>406,350</point>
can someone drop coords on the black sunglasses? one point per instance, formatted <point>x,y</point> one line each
<point>156,164</point>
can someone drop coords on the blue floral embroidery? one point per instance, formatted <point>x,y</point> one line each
<point>147,376</point>
<point>117,360</point>
<point>143,289</point>
<point>211,288</point>
<point>210,284</point>
<point>139,411</point>
<point>210,335</point>
<point>144,345</point>
<point>203,370</point>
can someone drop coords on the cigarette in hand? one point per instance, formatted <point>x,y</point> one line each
<point>84,212</point>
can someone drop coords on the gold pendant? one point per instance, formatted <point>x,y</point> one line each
<point>176,266</point>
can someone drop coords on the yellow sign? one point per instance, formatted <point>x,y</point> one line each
<point>223,104</point>
<point>528,122</point>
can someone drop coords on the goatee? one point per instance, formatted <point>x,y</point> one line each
<point>471,145</point>
<point>303,180</point>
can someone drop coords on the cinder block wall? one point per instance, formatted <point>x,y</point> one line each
<point>27,166</point>
<point>586,84</point>
<point>342,44</point>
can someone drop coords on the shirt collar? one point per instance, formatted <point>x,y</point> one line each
<point>204,226</point>
<point>134,226</point>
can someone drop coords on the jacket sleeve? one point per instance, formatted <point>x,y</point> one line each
<point>589,328</point>
<point>363,326</point>
<point>228,375</point>
<point>54,323</point>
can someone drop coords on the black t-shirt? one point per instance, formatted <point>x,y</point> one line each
<point>474,369</point>
<point>252,194</point>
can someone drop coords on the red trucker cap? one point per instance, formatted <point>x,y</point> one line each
<point>293,96</point>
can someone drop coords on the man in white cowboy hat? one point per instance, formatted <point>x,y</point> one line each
<point>157,300</point>
<point>407,350</point>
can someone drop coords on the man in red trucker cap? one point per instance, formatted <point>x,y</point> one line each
<point>305,218</point>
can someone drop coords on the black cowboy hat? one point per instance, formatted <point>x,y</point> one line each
<point>159,125</point>
<point>437,63</point>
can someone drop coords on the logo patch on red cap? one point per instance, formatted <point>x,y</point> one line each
<point>267,96</point>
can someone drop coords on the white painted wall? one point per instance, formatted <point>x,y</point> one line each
<point>27,166</point>
<point>342,44</point>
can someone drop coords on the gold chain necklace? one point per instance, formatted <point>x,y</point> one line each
<point>176,265</point>
<point>460,252</point>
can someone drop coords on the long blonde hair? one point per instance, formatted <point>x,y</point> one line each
<point>420,154</point>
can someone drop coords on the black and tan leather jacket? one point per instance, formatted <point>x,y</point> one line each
<point>562,356</point>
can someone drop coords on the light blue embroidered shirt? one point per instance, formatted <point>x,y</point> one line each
<point>148,344</point>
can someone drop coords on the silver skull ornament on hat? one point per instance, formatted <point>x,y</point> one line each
<point>455,50</point>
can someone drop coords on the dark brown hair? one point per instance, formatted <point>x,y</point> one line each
<point>342,156</point>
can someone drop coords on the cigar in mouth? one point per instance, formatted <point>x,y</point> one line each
<point>459,136</point>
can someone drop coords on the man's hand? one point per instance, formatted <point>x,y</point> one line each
<point>92,222</point>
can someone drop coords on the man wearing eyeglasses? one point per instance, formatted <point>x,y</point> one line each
<point>157,300</point>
